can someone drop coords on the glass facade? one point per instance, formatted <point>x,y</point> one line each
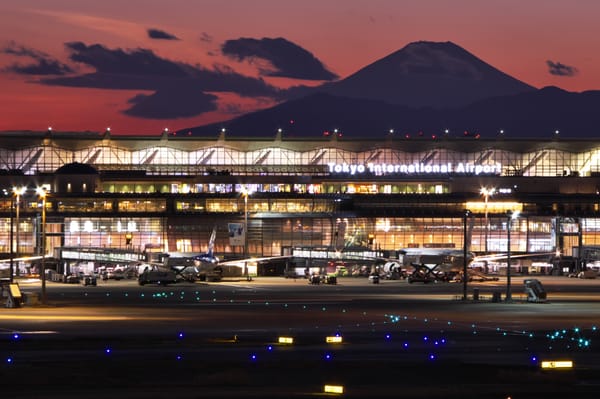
<point>171,192</point>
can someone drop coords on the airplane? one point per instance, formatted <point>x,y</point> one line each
<point>207,266</point>
<point>442,264</point>
<point>442,259</point>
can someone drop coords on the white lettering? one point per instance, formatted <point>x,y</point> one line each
<point>380,169</point>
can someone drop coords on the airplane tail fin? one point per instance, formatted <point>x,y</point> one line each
<point>211,242</point>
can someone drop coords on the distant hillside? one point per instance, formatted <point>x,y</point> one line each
<point>527,115</point>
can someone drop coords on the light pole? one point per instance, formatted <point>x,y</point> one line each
<point>42,193</point>
<point>486,192</point>
<point>14,252</point>
<point>465,249</point>
<point>19,191</point>
<point>11,238</point>
<point>245,193</point>
<point>510,215</point>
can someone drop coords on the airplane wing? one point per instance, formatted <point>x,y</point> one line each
<point>22,258</point>
<point>241,262</point>
<point>493,257</point>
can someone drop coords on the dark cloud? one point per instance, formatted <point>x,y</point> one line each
<point>133,62</point>
<point>172,102</point>
<point>180,90</point>
<point>161,35</point>
<point>288,59</point>
<point>558,69</point>
<point>43,64</point>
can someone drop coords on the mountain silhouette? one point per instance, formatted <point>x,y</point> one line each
<point>428,74</point>
<point>422,90</point>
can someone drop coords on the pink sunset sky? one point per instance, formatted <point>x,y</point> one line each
<point>51,51</point>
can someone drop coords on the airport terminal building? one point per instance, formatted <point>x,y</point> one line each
<point>169,192</point>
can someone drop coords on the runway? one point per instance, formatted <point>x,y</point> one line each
<point>222,338</point>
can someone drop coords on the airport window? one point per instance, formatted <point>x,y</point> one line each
<point>184,245</point>
<point>142,205</point>
<point>112,232</point>
<point>191,206</point>
<point>84,205</point>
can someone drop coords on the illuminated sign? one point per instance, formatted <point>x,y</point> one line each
<point>415,168</point>
<point>325,254</point>
<point>100,256</point>
<point>557,364</point>
<point>339,389</point>
<point>335,339</point>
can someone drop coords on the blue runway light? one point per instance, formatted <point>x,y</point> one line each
<point>180,335</point>
<point>108,351</point>
<point>328,356</point>
<point>16,336</point>
<point>9,360</point>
